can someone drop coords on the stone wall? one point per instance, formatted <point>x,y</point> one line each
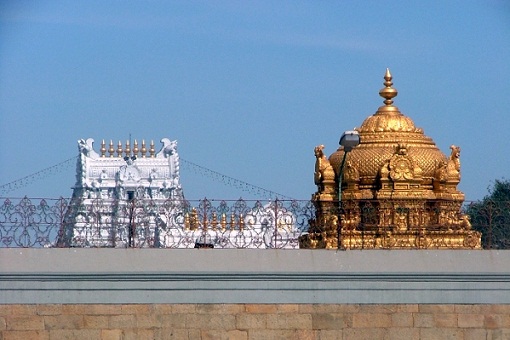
<point>253,294</point>
<point>254,321</point>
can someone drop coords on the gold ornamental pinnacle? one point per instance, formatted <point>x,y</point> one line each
<point>388,92</point>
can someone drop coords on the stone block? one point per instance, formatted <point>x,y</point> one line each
<point>264,334</point>
<point>147,321</point>
<point>160,309</point>
<point>122,321</point>
<point>261,308</point>
<point>328,321</point>
<point>219,308</point>
<point>175,334</point>
<point>402,320</point>
<point>470,320</point>
<point>72,334</point>
<point>305,334</point>
<point>441,333</point>
<point>476,334</point>
<point>3,324</point>
<point>137,334</point>
<point>21,309</point>
<point>289,321</point>
<point>365,333</point>
<point>468,309</point>
<point>92,309</point>
<point>445,320</point>
<point>329,334</point>
<point>287,308</point>
<point>95,321</point>
<point>495,309</point>
<point>237,335</point>
<point>403,334</point>
<point>424,320</point>
<point>25,335</point>
<point>5,310</point>
<point>111,334</point>
<point>24,323</point>
<point>251,321</point>
<point>211,321</point>
<point>64,322</point>
<point>184,308</point>
<point>493,321</point>
<point>136,309</point>
<point>498,334</point>
<point>329,308</point>
<point>173,321</point>
<point>50,309</point>
<point>436,309</point>
<point>213,335</point>
<point>371,320</point>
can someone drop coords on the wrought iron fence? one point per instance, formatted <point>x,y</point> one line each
<point>37,223</point>
<point>146,223</point>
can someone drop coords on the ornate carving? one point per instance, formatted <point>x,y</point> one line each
<point>401,188</point>
<point>324,176</point>
<point>453,165</point>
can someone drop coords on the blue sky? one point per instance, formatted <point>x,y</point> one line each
<point>248,88</point>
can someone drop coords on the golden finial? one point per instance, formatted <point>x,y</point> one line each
<point>119,150</point>
<point>223,222</point>
<point>111,150</point>
<point>388,92</point>
<point>186,222</point>
<point>128,149</point>
<point>152,150</point>
<point>103,149</point>
<point>144,148</point>
<point>232,221</point>
<point>214,221</point>
<point>194,219</point>
<point>241,222</point>
<point>135,148</point>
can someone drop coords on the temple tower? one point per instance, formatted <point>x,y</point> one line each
<point>125,195</point>
<point>398,189</point>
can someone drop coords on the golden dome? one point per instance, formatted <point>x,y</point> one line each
<point>384,132</point>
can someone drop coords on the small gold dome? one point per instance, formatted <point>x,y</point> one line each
<point>381,134</point>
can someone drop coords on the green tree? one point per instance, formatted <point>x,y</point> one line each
<point>491,216</point>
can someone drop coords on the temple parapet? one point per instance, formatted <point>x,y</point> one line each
<point>126,172</point>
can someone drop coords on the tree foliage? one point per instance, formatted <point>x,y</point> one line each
<point>491,216</point>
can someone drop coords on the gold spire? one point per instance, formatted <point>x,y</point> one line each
<point>388,93</point>
<point>144,148</point>
<point>103,149</point>
<point>128,149</point>
<point>111,150</point>
<point>119,150</point>
<point>135,148</point>
<point>152,150</point>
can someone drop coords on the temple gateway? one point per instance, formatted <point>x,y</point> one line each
<point>397,190</point>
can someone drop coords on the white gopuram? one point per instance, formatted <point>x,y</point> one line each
<point>132,197</point>
<point>120,193</point>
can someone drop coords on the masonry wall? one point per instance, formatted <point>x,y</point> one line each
<point>249,294</point>
<point>254,321</point>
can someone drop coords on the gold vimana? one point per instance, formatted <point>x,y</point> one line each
<point>398,190</point>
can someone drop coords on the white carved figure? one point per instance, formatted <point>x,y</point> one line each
<point>87,149</point>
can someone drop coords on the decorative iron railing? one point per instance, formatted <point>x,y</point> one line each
<point>150,223</point>
<point>146,223</point>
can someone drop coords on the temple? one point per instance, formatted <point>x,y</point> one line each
<point>397,190</point>
<point>132,197</point>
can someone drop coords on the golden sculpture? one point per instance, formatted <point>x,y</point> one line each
<point>398,189</point>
